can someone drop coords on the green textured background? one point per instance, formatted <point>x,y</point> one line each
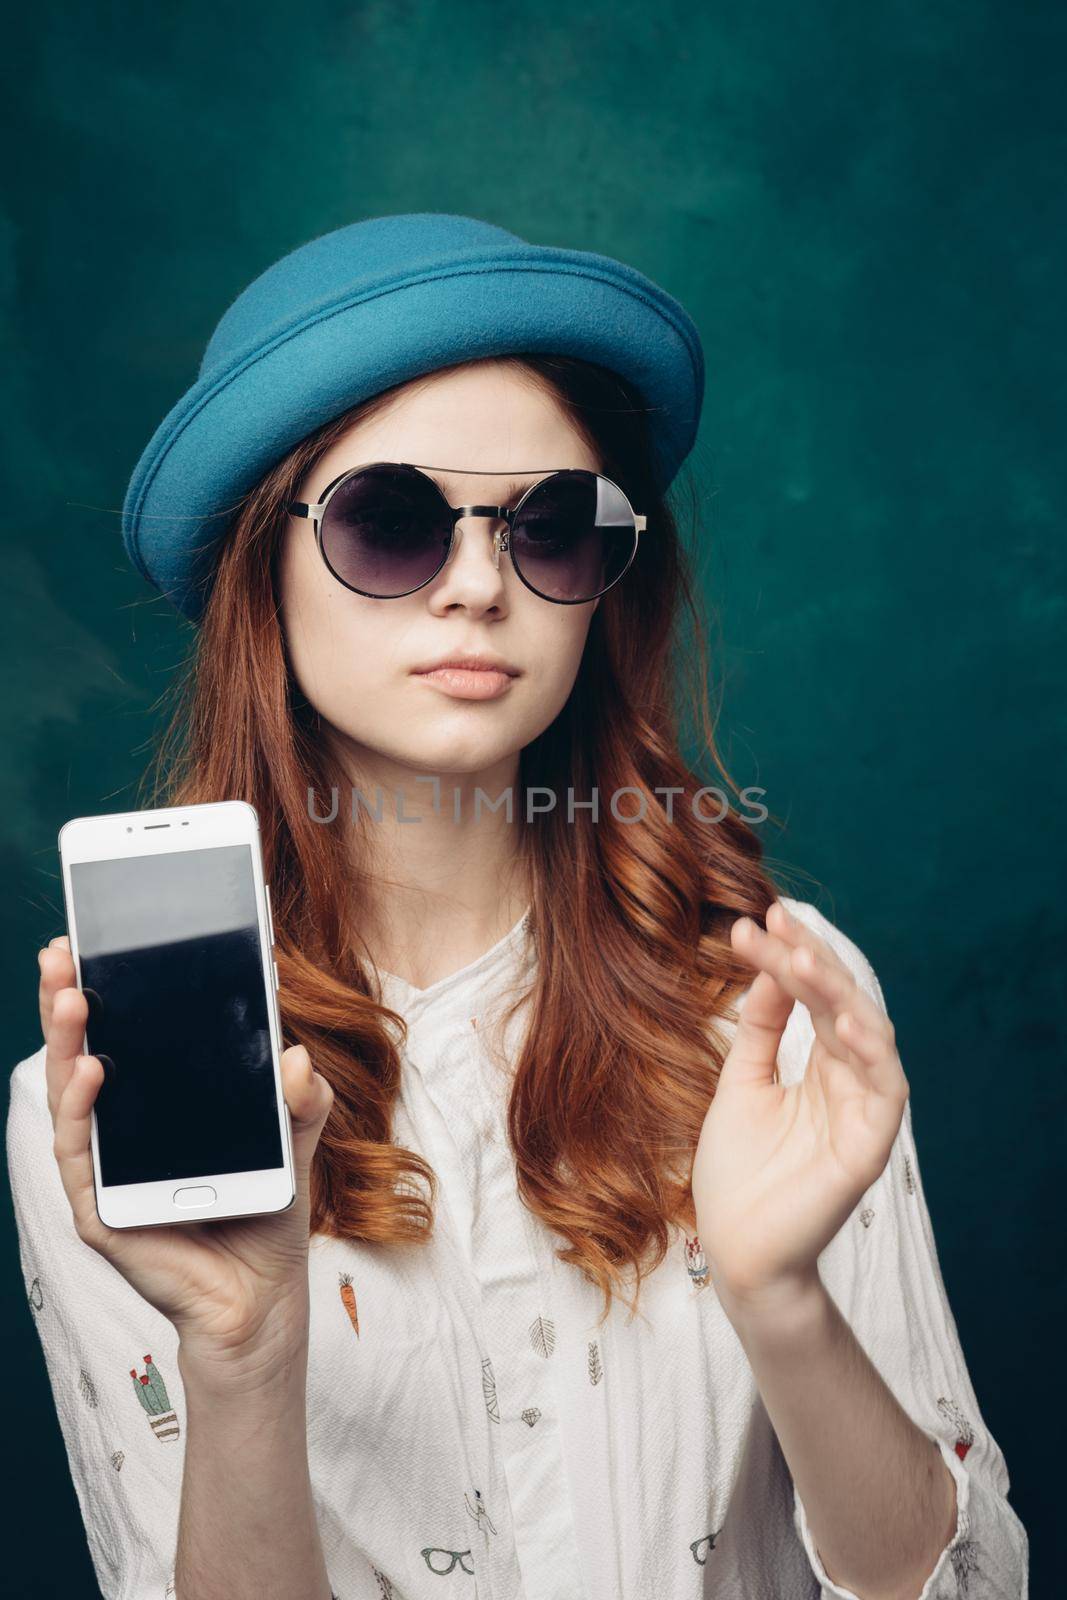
<point>863,210</point>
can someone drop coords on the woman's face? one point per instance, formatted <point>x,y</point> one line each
<point>355,658</point>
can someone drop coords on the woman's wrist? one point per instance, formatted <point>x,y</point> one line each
<point>247,1524</point>
<point>270,1360</point>
<point>785,1309</point>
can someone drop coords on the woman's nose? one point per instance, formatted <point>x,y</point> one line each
<point>500,533</point>
<point>473,574</point>
<point>487,535</point>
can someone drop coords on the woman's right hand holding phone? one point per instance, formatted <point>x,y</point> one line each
<point>236,1290</point>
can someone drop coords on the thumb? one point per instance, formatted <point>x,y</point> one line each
<point>309,1098</point>
<point>753,1057</point>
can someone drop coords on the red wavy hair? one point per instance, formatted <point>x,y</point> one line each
<point>630,919</point>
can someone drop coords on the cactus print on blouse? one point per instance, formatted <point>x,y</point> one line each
<point>152,1394</point>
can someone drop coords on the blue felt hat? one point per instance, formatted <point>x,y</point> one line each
<point>369,306</point>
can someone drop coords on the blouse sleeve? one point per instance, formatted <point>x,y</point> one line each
<point>112,1363</point>
<point>882,1271</point>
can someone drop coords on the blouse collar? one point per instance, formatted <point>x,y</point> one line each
<point>404,997</point>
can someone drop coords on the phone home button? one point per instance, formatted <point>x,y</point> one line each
<point>202,1196</point>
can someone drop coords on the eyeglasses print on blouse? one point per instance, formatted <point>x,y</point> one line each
<point>701,1547</point>
<point>443,1561</point>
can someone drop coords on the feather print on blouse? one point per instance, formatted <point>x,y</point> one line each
<point>964,1565</point>
<point>543,1336</point>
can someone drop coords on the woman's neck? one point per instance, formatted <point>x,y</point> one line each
<point>439,875</point>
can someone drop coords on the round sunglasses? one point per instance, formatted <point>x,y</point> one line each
<point>386,530</point>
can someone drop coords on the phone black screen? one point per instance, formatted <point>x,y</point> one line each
<point>170,962</point>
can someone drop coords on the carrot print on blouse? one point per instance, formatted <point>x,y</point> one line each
<point>348,1300</point>
<point>543,1336</point>
<point>596,1370</point>
<point>964,1432</point>
<point>489,1390</point>
<point>34,1295</point>
<point>151,1391</point>
<point>696,1262</point>
<point>386,1587</point>
<point>909,1176</point>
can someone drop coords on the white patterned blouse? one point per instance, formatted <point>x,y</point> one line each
<point>473,1432</point>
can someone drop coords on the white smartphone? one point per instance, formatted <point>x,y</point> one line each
<point>168,917</point>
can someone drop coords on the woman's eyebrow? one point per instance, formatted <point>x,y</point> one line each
<point>515,491</point>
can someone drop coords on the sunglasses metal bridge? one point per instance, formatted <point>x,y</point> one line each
<point>506,514</point>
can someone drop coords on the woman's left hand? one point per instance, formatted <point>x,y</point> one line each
<point>778,1168</point>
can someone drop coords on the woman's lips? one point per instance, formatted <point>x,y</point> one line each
<point>469,683</point>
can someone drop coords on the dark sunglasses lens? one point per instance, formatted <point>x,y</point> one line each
<point>574,536</point>
<point>385,532</point>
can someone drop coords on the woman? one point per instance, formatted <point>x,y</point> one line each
<point>599,1282</point>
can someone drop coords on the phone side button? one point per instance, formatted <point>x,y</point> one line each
<point>204,1195</point>
<point>274,964</point>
